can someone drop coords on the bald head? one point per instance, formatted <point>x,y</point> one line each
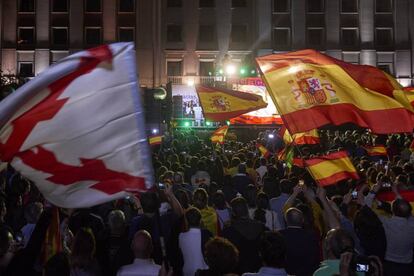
<point>338,241</point>
<point>401,208</point>
<point>294,217</point>
<point>142,245</point>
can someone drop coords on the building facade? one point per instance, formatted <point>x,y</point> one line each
<point>192,41</point>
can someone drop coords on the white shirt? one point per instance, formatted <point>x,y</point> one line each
<point>140,267</point>
<point>261,171</point>
<point>190,245</point>
<point>272,221</point>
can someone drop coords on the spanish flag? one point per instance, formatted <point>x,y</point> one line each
<point>311,90</point>
<point>389,196</point>
<point>52,243</point>
<point>378,150</point>
<point>263,150</point>
<point>221,104</point>
<point>331,168</point>
<point>155,140</point>
<point>219,134</point>
<point>302,138</point>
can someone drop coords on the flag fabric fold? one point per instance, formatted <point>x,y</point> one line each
<point>221,104</point>
<point>311,90</point>
<point>378,150</point>
<point>155,140</point>
<point>331,168</point>
<point>219,135</point>
<point>310,137</point>
<point>263,150</point>
<point>77,130</point>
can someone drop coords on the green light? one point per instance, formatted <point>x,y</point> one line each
<point>221,71</point>
<point>209,73</point>
<point>228,123</point>
<point>186,124</point>
<point>253,71</point>
<point>208,123</point>
<point>242,71</point>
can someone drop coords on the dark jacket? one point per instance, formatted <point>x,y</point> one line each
<point>302,251</point>
<point>245,235</point>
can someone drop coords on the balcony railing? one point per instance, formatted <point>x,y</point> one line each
<point>211,80</point>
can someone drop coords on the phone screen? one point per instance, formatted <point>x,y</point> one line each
<point>354,194</point>
<point>362,267</point>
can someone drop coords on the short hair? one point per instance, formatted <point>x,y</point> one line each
<point>116,219</point>
<point>242,168</point>
<point>401,208</point>
<point>221,256</point>
<point>33,211</point>
<point>294,217</point>
<point>239,208</point>
<point>338,241</point>
<point>193,217</point>
<point>273,249</point>
<point>263,161</point>
<point>286,186</point>
<point>178,177</point>
<point>142,244</point>
<point>200,198</point>
<point>219,200</point>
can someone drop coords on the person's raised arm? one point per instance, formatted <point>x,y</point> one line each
<point>332,220</point>
<point>296,190</point>
<point>175,204</point>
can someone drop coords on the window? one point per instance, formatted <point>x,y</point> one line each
<point>174,3</point>
<point>206,33</point>
<point>281,5</point>
<point>60,6</point>
<point>174,68</point>
<point>386,67</point>
<point>349,37</point>
<point>93,35</point>
<point>315,36</point>
<point>26,35</point>
<point>383,36</point>
<point>383,5</point>
<point>315,5</point>
<point>126,34</point>
<point>238,33</point>
<point>26,69</point>
<point>281,37</point>
<point>26,5</point>
<point>174,33</point>
<point>93,6</point>
<point>206,3</point>
<point>60,35</point>
<point>126,5</point>
<point>238,3</point>
<point>349,6</point>
<point>206,68</point>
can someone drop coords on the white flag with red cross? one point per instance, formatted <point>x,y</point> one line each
<point>77,130</point>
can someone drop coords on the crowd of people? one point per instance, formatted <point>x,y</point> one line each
<point>225,210</point>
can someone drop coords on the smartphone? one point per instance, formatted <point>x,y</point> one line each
<point>362,267</point>
<point>301,182</point>
<point>380,162</point>
<point>354,194</point>
<point>161,186</point>
<point>386,167</point>
<point>386,185</point>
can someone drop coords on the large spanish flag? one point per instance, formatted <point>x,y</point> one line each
<point>310,137</point>
<point>155,140</point>
<point>219,134</point>
<point>331,168</point>
<point>221,104</point>
<point>378,150</point>
<point>311,90</point>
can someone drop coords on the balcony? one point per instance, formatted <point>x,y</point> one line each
<point>213,80</point>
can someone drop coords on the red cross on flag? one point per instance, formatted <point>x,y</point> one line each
<point>77,130</point>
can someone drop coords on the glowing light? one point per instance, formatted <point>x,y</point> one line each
<point>294,69</point>
<point>208,123</point>
<point>221,71</point>
<point>186,124</point>
<point>271,136</point>
<point>190,82</point>
<point>242,71</point>
<point>230,69</point>
<point>154,131</point>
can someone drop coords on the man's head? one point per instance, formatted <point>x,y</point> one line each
<point>272,248</point>
<point>142,245</point>
<point>221,256</point>
<point>242,168</point>
<point>116,221</point>
<point>193,217</point>
<point>200,198</point>
<point>178,178</point>
<point>150,202</point>
<point>294,217</point>
<point>401,208</point>
<point>337,241</point>
<point>239,208</point>
<point>286,186</point>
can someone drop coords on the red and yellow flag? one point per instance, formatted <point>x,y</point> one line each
<point>155,140</point>
<point>311,90</point>
<point>263,150</point>
<point>310,137</point>
<point>52,243</point>
<point>412,146</point>
<point>378,150</point>
<point>219,134</point>
<point>221,104</point>
<point>331,168</point>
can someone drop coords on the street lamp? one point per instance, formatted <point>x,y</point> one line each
<point>230,69</point>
